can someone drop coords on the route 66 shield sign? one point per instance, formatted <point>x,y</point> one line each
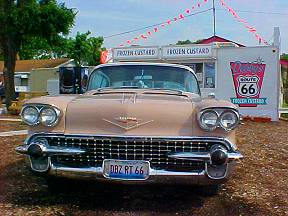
<point>248,86</point>
<point>248,79</point>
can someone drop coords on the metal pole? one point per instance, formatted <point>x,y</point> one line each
<point>214,19</point>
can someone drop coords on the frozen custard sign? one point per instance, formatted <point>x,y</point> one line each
<point>136,53</point>
<point>248,79</point>
<point>178,52</point>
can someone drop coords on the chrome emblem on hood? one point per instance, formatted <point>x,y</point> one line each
<point>127,123</point>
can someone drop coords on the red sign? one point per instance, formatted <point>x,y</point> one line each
<point>248,79</point>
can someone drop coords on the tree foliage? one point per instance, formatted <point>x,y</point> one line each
<point>187,42</point>
<point>23,19</point>
<point>41,48</point>
<point>284,56</point>
<point>85,50</point>
<point>183,42</point>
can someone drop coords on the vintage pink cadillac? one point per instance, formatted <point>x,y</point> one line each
<point>137,122</point>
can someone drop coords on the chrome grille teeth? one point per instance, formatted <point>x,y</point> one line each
<point>154,150</point>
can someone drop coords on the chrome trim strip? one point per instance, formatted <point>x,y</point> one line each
<point>156,176</point>
<point>195,156</point>
<point>62,151</point>
<point>224,141</point>
<point>203,156</point>
<point>51,150</point>
<point>99,171</point>
<point>128,127</point>
<point>235,156</point>
<point>22,149</point>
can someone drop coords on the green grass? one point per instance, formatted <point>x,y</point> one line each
<point>285,105</point>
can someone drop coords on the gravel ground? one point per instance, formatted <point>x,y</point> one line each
<point>259,186</point>
<point>11,125</point>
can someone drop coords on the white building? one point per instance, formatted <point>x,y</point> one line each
<point>247,76</point>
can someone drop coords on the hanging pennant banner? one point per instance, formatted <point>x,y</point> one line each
<point>245,23</point>
<point>181,16</point>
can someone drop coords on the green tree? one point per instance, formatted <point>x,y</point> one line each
<point>184,42</point>
<point>40,48</point>
<point>84,49</point>
<point>284,56</point>
<point>187,42</point>
<point>95,44</point>
<point>22,19</point>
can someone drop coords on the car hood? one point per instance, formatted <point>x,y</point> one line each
<point>130,113</point>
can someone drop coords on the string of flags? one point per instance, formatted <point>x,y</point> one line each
<point>107,54</point>
<point>250,29</point>
<point>181,16</point>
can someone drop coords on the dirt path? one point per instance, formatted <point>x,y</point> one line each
<point>259,186</point>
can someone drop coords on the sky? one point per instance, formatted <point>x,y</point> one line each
<point>105,18</point>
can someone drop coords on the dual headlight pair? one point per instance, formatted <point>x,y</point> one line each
<point>44,114</point>
<point>210,119</point>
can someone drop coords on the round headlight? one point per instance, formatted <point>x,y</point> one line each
<point>48,116</point>
<point>209,120</point>
<point>229,120</point>
<point>30,115</point>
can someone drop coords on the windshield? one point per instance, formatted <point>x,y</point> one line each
<point>144,76</point>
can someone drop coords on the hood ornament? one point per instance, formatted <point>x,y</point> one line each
<point>127,123</point>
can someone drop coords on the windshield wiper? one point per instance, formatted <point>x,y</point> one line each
<point>167,89</point>
<point>180,92</point>
<point>118,87</point>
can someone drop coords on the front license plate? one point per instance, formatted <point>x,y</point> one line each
<point>125,169</point>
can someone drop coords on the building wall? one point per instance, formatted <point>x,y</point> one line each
<point>249,59</point>
<point>253,86</point>
<point>38,78</point>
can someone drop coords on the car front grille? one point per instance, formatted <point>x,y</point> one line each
<point>154,150</point>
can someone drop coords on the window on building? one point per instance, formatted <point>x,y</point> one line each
<point>17,80</point>
<point>205,73</point>
<point>209,70</point>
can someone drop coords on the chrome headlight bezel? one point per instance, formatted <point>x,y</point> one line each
<point>22,114</point>
<point>220,112</point>
<point>40,108</point>
<point>201,119</point>
<point>234,125</point>
<point>56,112</point>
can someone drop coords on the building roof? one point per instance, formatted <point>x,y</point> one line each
<point>217,39</point>
<point>28,65</point>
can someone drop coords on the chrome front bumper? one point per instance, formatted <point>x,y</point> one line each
<point>155,176</point>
